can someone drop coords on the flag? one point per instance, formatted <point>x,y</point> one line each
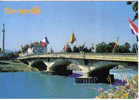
<point>116,43</point>
<point>44,42</point>
<point>72,38</point>
<point>134,28</point>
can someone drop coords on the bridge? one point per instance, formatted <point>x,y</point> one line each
<point>126,57</point>
<point>66,63</point>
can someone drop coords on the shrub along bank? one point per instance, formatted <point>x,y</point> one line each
<point>14,66</point>
<point>129,91</point>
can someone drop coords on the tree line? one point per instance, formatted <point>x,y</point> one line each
<point>104,48</point>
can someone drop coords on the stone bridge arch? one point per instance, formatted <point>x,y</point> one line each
<point>59,67</point>
<point>63,62</point>
<point>39,64</point>
<point>67,66</point>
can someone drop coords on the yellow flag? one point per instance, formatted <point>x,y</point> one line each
<point>72,38</point>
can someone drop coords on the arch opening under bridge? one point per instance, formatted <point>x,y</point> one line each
<point>40,65</point>
<point>64,67</point>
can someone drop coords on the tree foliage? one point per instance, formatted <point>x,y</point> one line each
<point>76,49</point>
<point>108,48</point>
<point>83,48</point>
<point>134,48</point>
<point>10,55</point>
<point>68,49</point>
<point>104,47</point>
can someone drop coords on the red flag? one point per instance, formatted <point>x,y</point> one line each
<point>133,27</point>
<point>44,42</point>
<point>116,43</point>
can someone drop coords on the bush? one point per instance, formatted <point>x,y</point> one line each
<point>129,91</point>
<point>11,55</point>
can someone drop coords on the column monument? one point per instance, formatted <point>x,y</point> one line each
<point>3,39</point>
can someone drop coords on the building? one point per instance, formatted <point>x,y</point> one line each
<point>33,48</point>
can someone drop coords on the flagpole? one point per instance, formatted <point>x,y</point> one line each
<point>113,51</point>
<point>137,45</point>
<point>46,49</point>
<point>115,45</point>
<point>136,48</point>
<point>134,30</point>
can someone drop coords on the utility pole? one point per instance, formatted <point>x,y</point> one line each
<point>3,39</point>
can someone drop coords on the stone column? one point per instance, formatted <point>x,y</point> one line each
<point>3,39</point>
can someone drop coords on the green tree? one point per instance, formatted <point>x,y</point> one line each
<point>68,49</point>
<point>134,48</point>
<point>134,5</point>
<point>76,49</point>
<point>117,49</point>
<point>110,46</point>
<point>11,55</point>
<point>101,47</point>
<point>127,47</point>
<point>82,48</point>
<point>122,49</point>
<point>86,49</point>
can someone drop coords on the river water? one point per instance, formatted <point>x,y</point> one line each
<point>38,85</point>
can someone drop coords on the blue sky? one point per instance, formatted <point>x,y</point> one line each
<point>92,22</point>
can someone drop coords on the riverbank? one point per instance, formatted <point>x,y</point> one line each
<point>14,66</point>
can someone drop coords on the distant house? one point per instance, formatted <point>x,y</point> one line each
<point>30,51</point>
<point>33,48</point>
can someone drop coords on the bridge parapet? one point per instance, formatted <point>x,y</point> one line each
<point>86,56</point>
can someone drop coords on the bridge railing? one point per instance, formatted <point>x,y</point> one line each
<point>130,57</point>
<point>111,54</point>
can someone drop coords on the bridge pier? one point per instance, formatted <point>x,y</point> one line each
<point>86,62</point>
<point>29,64</point>
<point>49,64</point>
<point>81,61</point>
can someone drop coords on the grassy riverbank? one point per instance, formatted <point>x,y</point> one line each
<point>14,66</point>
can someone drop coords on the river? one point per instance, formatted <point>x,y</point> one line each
<point>38,85</point>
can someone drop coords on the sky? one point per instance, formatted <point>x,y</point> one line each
<point>92,22</point>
